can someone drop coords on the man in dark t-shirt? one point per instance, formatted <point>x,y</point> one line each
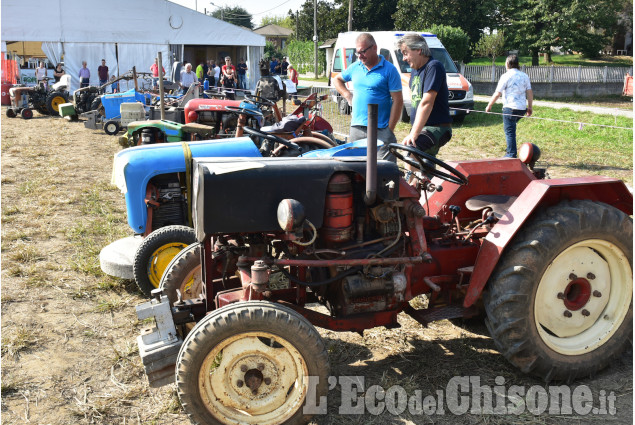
<point>430,117</point>
<point>102,71</point>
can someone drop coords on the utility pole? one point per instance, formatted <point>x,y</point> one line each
<point>315,37</point>
<point>350,15</point>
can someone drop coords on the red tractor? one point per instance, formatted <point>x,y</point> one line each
<point>548,261</point>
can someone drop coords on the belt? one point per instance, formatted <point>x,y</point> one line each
<point>445,124</point>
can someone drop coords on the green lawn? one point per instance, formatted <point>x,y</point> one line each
<point>563,60</point>
<point>566,150</point>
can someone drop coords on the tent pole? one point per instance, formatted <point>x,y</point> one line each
<point>162,100</point>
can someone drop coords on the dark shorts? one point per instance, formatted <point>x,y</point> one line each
<point>432,138</point>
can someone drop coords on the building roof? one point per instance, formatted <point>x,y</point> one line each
<point>273,30</point>
<point>144,22</point>
<point>328,43</point>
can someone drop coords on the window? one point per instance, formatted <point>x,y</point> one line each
<point>337,61</point>
<point>386,54</point>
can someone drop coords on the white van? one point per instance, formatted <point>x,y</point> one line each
<point>461,93</point>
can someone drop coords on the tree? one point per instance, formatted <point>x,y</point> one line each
<point>472,16</point>
<point>490,45</point>
<point>329,23</point>
<point>234,15</point>
<point>539,25</point>
<point>281,21</point>
<point>454,39</point>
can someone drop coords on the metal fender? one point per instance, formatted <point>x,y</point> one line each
<point>541,194</point>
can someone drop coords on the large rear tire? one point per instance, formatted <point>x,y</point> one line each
<point>559,304</point>
<point>250,363</point>
<point>53,102</point>
<point>157,251</point>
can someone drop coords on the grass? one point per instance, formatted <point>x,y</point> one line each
<point>562,60</point>
<point>19,339</point>
<point>608,101</point>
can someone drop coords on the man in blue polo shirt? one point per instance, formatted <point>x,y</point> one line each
<point>375,80</point>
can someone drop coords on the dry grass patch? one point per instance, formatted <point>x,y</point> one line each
<point>18,339</point>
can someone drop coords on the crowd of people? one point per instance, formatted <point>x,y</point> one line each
<point>210,74</point>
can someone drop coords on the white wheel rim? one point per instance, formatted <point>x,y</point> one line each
<point>192,286</point>
<point>571,322</point>
<point>227,369</point>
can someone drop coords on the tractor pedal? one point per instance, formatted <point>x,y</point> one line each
<point>434,314</point>
<point>464,272</point>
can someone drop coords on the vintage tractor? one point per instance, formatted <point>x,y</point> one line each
<point>549,259</point>
<point>156,181</point>
<point>39,97</point>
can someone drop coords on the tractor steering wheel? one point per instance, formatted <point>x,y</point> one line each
<point>245,111</point>
<point>259,100</point>
<point>271,137</point>
<point>454,176</point>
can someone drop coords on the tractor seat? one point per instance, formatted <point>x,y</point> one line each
<point>498,203</point>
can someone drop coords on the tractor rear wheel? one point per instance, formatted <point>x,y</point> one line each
<point>11,113</point>
<point>183,274</point>
<point>559,304</point>
<point>157,251</point>
<point>26,113</point>
<point>53,102</point>
<point>251,363</point>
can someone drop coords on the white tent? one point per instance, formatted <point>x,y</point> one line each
<point>124,32</point>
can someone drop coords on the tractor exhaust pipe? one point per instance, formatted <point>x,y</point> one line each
<point>371,155</point>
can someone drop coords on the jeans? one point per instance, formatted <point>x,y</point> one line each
<point>358,132</point>
<point>241,82</point>
<point>509,126</point>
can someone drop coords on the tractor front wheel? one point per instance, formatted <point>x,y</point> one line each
<point>112,127</point>
<point>157,251</point>
<point>559,304</point>
<point>183,274</point>
<point>11,113</point>
<point>252,362</point>
<point>26,113</point>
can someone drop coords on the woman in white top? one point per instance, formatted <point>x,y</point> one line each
<point>518,98</point>
<point>40,74</point>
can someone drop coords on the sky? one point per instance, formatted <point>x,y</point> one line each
<point>257,8</point>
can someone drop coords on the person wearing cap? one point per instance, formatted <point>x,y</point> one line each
<point>376,81</point>
<point>283,66</point>
<point>102,71</point>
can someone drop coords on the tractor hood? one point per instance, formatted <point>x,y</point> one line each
<point>134,167</point>
<point>241,195</point>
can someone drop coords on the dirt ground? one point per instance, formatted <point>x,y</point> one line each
<point>69,353</point>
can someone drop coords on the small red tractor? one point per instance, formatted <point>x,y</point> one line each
<point>548,261</point>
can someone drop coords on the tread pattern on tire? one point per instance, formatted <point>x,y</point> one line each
<point>217,324</point>
<point>156,239</point>
<point>178,268</point>
<point>511,289</point>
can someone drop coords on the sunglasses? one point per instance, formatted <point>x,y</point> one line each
<point>362,52</point>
